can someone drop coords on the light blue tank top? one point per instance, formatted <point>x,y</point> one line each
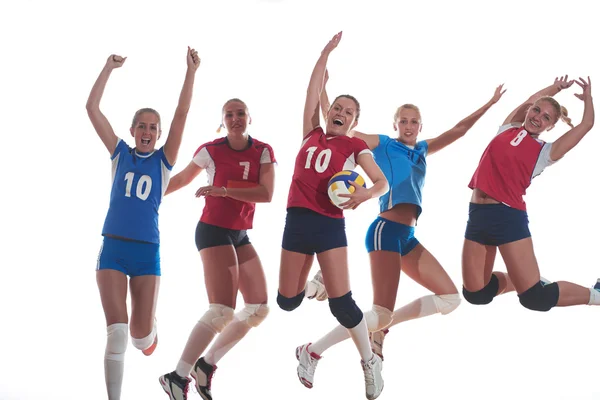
<point>404,169</point>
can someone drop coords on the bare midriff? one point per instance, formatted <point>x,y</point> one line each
<point>403,213</point>
<point>480,197</point>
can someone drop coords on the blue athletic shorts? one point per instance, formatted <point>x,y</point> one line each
<point>130,257</point>
<point>387,235</point>
<point>496,224</point>
<point>211,235</point>
<point>309,232</point>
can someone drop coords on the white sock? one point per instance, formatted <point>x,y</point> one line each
<point>360,336</point>
<point>114,359</point>
<point>198,341</point>
<point>231,335</point>
<point>337,335</point>
<point>594,297</point>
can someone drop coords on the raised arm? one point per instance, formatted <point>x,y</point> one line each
<point>380,183</point>
<point>185,99</point>
<point>313,93</point>
<point>449,137</point>
<point>99,121</point>
<point>566,142</point>
<point>519,113</point>
<point>183,178</point>
<point>371,140</point>
<point>324,100</point>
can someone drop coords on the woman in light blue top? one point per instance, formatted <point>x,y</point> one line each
<point>390,239</point>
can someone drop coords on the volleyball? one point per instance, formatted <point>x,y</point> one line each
<point>340,184</point>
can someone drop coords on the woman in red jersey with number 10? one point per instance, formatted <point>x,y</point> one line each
<point>241,173</point>
<point>497,212</point>
<point>315,225</point>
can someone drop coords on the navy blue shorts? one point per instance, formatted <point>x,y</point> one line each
<point>211,236</point>
<point>387,235</point>
<point>496,224</point>
<point>130,257</point>
<point>309,232</point>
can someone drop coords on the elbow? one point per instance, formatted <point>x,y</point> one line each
<point>268,196</point>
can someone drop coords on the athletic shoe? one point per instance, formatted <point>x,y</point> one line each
<point>307,362</point>
<point>203,373</point>
<point>377,342</point>
<point>316,288</point>
<point>175,386</point>
<point>373,378</point>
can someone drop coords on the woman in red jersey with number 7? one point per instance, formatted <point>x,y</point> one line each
<point>497,212</point>
<point>315,225</point>
<point>241,173</point>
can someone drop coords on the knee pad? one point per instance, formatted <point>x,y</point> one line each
<point>446,303</point>
<point>540,297</point>
<point>146,342</point>
<point>345,310</point>
<point>485,295</point>
<point>378,318</point>
<point>217,317</point>
<point>116,342</point>
<point>289,303</point>
<point>253,314</point>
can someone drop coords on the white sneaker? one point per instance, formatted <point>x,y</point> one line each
<point>373,378</point>
<point>377,342</point>
<point>307,362</point>
<point>316,288</point>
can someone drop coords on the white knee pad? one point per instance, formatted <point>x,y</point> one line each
<point>116,342</point>
<point>253,314</point>
<point>378,318</point>
<point>146,342</point>
<point>446,303</point>
<point>217,317</point>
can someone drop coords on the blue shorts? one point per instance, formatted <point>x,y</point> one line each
<point>387,235</point>
<point>309,232</point>
<point>496,224</point>
<point>208,235</point>
<point>130,257</point>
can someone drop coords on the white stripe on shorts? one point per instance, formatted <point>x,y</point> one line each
<point>377,238</point>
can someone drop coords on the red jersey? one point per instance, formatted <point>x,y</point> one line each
<point>509,163</point>
<point>320,157</point>
<point>231,169</point>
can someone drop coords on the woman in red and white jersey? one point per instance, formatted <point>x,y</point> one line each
<point>240,173</point>
<point>498,214</point>
<point>315,226</point>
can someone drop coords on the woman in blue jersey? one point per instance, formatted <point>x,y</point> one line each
<point>390,239</point>
<point>131,237</point>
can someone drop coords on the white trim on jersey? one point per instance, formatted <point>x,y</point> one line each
<point>543,160</point>
<point>265,157</point>
<point>115,164</point>
<point>204,160</point>
<point>165,175</point>
<point>506,127</point>
<point>144,155</point>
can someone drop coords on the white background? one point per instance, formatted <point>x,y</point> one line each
<point>445,56</point>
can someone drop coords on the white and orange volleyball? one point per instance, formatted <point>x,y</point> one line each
<point>340,184</point>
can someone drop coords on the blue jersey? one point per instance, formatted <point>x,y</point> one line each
<point>404,169</point>
<point>139,182</point>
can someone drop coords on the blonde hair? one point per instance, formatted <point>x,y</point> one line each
<point>235,99</point>
<point>407,107</point>
<point>141,111</point>
<point>561,111</point>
